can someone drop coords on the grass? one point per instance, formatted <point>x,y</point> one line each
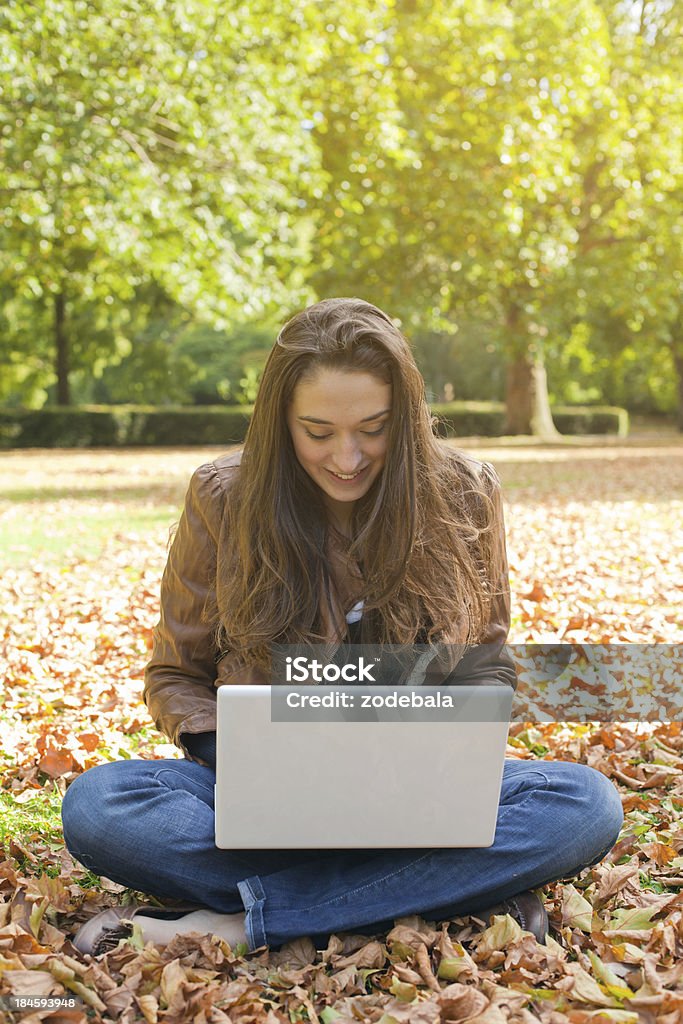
<point>58,505</point>
<point>63,504</point>
<point>38,817</point>
<point>54,534</point>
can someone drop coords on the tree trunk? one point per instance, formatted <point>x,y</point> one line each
<point>518,396</point>
<point>61,351</point>
<point>541,418</point>
<point>526,398</point>
<point>676,345</point>
<point>678,363</point>
<point>527,406</point>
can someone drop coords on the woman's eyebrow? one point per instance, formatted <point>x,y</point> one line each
<point>328,423</point>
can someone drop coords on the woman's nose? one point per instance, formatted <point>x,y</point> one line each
<point>348,456</point>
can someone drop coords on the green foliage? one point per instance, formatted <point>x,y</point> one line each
<point>502,177</point>
<point>487,419</point>
<point>128,154</point>
<point>534,181</point>
<point>468,362</point>
<point>202,425</point>
<point>227,363</point>
<point>121,425</point>
<point>173,361</point>
<point>59,427</point>
<point>469,419</point>
<point>599,419</point>
<point>602,360</point>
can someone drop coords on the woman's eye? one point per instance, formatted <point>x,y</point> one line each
<point>325,437</point>
<point>317,437</point>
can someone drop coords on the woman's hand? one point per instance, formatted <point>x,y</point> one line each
<point>201,744</point>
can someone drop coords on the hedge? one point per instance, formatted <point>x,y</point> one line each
<point>483,419</point>
<point>591,419</point>
<point>122,425</point>
<point>131,425</point>
<point>487,419</point>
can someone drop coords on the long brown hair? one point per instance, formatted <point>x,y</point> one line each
<point>422,533</point>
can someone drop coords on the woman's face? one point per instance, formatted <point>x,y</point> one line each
<point>338,421</point>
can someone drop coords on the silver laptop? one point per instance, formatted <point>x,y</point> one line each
<point>392,780</point>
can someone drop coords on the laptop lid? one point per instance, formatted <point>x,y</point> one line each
<point>392,780</point>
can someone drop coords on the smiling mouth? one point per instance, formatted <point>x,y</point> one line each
<point>347,476</point>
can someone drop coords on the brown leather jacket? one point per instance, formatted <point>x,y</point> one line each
<point>185,668</point>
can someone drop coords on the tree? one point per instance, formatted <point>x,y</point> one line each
<point>503,118</point>
<point>152,141</point>
<point>631,269</point>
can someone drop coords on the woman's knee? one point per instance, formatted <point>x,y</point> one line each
<point>603,803</point>
<point>89,805</point>
<point>593,807</point>
<point>606,809</point>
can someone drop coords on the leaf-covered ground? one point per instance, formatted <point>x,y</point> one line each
<point>594,537</point>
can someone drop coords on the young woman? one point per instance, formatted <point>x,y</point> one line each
<point>343,518</point>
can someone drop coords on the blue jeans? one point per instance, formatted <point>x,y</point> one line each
<point>149,825</point>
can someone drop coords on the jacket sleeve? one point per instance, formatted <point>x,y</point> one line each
<point>489,661</point>
<point>179,678</point>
